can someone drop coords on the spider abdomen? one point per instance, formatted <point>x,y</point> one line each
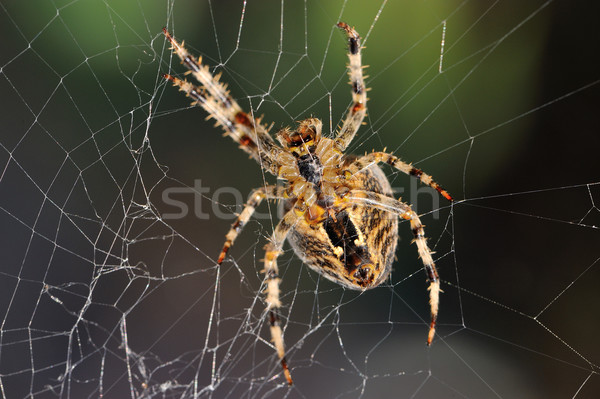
<point>355,244</point>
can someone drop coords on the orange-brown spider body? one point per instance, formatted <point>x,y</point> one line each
<point>341,218</point>
<point>348,242</point>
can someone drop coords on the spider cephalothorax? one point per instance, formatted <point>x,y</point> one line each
<point>340,215</point>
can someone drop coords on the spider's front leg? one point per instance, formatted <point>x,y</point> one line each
<point>403,210</point>
<point>213,96</point>
<point>392,160</point>
<point>357,111</point>
<point>272,251</point>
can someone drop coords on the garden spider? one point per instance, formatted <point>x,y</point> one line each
<point>341,218</point>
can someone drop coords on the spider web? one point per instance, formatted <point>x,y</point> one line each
<point>115,196</point>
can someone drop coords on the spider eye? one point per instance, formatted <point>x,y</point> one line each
<point>302,136</point>
<point>304,139</point>
<point>307,133</point>
<point>295,140</point>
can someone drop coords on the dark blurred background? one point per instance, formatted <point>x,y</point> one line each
<point>103,293</point>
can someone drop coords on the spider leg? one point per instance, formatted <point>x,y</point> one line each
<point>272,251</point>
<point>383,157</point>
<point>357,111</point>
<point>213,96</point>
<point>254,200</point>
<point>403,210</point>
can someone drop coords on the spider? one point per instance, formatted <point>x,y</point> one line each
<point>341,218</point>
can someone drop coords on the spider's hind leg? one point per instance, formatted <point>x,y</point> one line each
<point>272,251</point>
<point>254,200</point>
<point>403,210</point>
